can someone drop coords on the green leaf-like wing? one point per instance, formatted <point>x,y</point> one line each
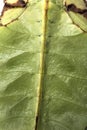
<point>64,94</point>
<point>20,47</point>
<point>43,69</point>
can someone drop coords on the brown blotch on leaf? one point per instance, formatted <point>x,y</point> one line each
<point>8,6</point>
<point>19,3</point>
<point>74,9</point>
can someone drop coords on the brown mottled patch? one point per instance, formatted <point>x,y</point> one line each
<point>74,9</point>
<point>8,6</point>
<point>18,4</point>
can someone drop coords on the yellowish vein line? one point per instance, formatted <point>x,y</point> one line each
<point>42,56</point>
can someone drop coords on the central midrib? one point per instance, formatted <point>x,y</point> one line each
<point>42,56</point>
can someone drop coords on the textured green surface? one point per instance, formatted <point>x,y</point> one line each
<point>63,104</point>
<point>20,49</point>
<point>64,95</point>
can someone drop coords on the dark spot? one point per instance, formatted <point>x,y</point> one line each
<point>39,35</point>
<point>49,36</point>
<point>23,3</point>
<point>36,122</point>
<point>51,21</point>
<point>86,128</point>
<point>71,7</point>
<point>38,21</point>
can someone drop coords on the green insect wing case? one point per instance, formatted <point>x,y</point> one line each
<point>20,49</point>
<point>43,65</point>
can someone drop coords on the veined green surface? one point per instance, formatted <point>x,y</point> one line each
<point>61,75</point>
<point>20,48</point>
<point>64,96</point>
